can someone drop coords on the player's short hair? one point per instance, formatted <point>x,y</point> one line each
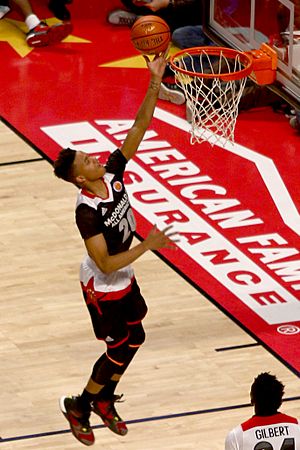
<point>63,165</point>
<point>266,394</point>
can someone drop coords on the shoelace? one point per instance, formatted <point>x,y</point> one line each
<point>115,399</point>
<point>127,21</point>
<point>118,398</point>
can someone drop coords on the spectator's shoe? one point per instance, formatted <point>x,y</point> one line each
<point>172,93</point>
<point>4,9</point>
<point>58,8</point>
<point>43,34</point>
<point>295,122</point>
<point>79,423</point>
<point>106,410</point>
<point>59,32</point>
<point>38,36</point>
<point>121,17</point>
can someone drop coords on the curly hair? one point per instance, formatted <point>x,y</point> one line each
<point>266,394</point>
<point>63,165</point>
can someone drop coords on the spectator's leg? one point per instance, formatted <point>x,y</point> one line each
<point>190,36</point>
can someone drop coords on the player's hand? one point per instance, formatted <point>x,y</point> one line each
<point>161,239</point>
<point>158,64</point>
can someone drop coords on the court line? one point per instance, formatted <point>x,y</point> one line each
<point>10,163</point>
<point>221,308</point>
<point>142,420</point>
<point>235,347</point>
<point>25,139</point>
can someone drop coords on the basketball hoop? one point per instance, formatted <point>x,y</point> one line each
<point>213,80</point>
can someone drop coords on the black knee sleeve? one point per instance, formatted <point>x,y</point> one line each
<point>136,335</point>
<point>118,353</point>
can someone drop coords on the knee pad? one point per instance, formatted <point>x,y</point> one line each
<point>136,335</point>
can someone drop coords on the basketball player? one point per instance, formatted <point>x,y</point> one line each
<point>106,223</point>
<point>268,429</point>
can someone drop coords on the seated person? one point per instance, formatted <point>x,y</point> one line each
<point>176,13</point>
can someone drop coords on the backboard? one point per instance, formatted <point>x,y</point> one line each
<point>246,24</point>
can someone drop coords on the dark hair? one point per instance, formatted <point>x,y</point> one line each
<point>63,165</point>
<point>266,394</point>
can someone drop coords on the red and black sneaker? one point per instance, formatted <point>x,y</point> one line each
<point>43,34</point>
<point>59,32</point>
<point>106,410</point>
<point>79,423</point>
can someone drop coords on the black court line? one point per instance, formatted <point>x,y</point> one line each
<point>222,308</point>
<point>24,161</point>
<point>25,139</point>
<point>142,420</point>
<point>235,347</point>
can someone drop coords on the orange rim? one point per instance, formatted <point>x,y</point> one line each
<point>245,59</point>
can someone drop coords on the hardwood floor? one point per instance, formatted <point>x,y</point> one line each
<point>178,390</point>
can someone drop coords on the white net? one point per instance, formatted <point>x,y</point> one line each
<point>211,102</point>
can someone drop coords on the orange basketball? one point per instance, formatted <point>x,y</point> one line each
<point>150,35</point>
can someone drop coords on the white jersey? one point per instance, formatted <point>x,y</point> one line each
<point>277,432</point>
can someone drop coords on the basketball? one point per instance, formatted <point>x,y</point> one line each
<point>150,35</point>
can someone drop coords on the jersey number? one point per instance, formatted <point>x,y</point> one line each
<point>288,444</point>
<point>127,225</point>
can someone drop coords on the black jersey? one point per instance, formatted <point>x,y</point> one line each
<point>112,216</point>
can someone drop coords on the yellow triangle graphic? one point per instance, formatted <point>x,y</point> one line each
<point>133,62</point>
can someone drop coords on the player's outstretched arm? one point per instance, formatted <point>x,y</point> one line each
<point>143,118</point>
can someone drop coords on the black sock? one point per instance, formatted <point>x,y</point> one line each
<point>85,400</point>
<point>107,392</point>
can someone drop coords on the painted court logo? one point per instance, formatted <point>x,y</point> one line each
<point>288,329</point>
<point>240,245</point>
